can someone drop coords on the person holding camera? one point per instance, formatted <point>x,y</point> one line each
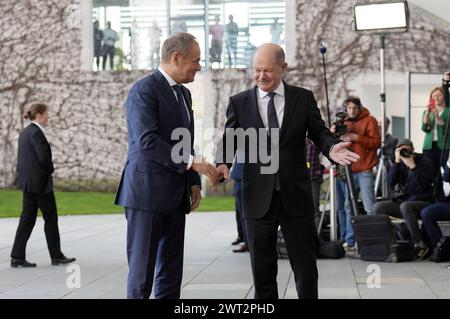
<point>434,120</point>
<point>411,175</point>
<point>362,131</point>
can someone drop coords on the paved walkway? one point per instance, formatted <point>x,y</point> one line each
<point>211,270</point>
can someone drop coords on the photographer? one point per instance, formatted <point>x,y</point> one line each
<point>411,174</point>
<point>362,131</point>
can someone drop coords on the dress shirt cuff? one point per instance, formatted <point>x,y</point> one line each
<point>191,160</point>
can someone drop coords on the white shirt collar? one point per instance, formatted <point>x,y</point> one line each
<point>167,76</point>
<point>40,126</point>
<point>279,90</point>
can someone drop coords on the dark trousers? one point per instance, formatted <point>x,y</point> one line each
<point>108,50</point>
<point>240,221</point>
<point>302,244</point>
<point>434,154</point>
<point>316,184</point>
<point>408,210</point>
<point>430,217</point>
<point>155,247</point>
<point>31,203</point>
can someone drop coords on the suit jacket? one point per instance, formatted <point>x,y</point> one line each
<point>151,180</point>
<point>301,116</point>
<point>428,129</point>
<point>34,162</point>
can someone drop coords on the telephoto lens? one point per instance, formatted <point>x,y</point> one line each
<point>405,153</point>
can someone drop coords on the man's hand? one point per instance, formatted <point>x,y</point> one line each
<point>409,162</point>
<point>349,137</point>
<point>341,155</point>
<point>222,172</point>
<point>398,158</point>
<point>203,167</point>
<point>196,196</point>
<point>333,129</point>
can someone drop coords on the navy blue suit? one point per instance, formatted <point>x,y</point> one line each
<point>236,175</point>
<point>154,189</point>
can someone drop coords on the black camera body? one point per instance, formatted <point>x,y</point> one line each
<point>406,153</point>
<point>340,127</point>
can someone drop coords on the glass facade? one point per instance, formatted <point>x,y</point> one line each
<point>228,31</point>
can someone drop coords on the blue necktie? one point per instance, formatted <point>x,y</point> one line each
<point>272,113</point>
<point>273,123</point>
<point>183,108</point>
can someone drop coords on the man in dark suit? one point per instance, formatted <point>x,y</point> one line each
<point>283,196</point>
<point>34,178</point>
<point>160,183</point>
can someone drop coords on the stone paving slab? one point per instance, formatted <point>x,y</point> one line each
<point>211,269</point>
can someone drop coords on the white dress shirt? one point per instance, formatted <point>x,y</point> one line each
<point>172,83</point>
<point>263,104</point>
<point>40,126</point>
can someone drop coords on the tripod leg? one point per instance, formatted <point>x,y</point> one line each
<point>322,215</point>
<point>378,177</point>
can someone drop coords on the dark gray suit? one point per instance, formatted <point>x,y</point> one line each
<point>292,207</point>
<point>34,178</point>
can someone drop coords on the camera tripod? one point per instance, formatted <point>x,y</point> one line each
<point>383,164</point>
<point>331,200</point>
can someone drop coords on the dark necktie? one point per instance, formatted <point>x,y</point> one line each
<point>273,123</point>
<point>183,108</point>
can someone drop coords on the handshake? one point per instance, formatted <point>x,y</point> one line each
<point>216,175</point>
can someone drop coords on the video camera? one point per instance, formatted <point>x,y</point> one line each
<point>340,127</point>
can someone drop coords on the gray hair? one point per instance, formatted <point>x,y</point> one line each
<point>180,42</point>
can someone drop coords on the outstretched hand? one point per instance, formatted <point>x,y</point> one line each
<point>223,173</point>
<point>341,155</point>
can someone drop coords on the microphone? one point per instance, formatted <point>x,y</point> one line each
<point>323,48</point>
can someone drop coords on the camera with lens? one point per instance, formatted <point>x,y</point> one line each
<point>406,153</point>
<point>340,127</point>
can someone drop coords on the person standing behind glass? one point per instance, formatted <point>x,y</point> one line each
<point>433,124</point>
<point>98,37</point>
<point>34,178</point>
<point>216,31</point>
<point>155,44</point>
<point>276,30</point>
<point>232,30</point>
<point>109,39</point>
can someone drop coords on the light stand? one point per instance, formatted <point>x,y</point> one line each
<point>332,170</point>
<point>382,164</point>
<point>382,18</point>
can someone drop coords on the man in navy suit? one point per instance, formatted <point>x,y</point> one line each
<point>160,183</point>
<point>282,196</point>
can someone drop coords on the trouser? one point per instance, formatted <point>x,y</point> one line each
<point>302,244</point>
<point>408,210</point>
<point>31,203</point>
<point>155,247</point>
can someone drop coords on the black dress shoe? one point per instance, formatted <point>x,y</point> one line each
<point>241,249</point>
<point>21,263</point>
<point>62,261</point>
<point>237,241</point>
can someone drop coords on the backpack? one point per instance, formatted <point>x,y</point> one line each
<point>442,251</point>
